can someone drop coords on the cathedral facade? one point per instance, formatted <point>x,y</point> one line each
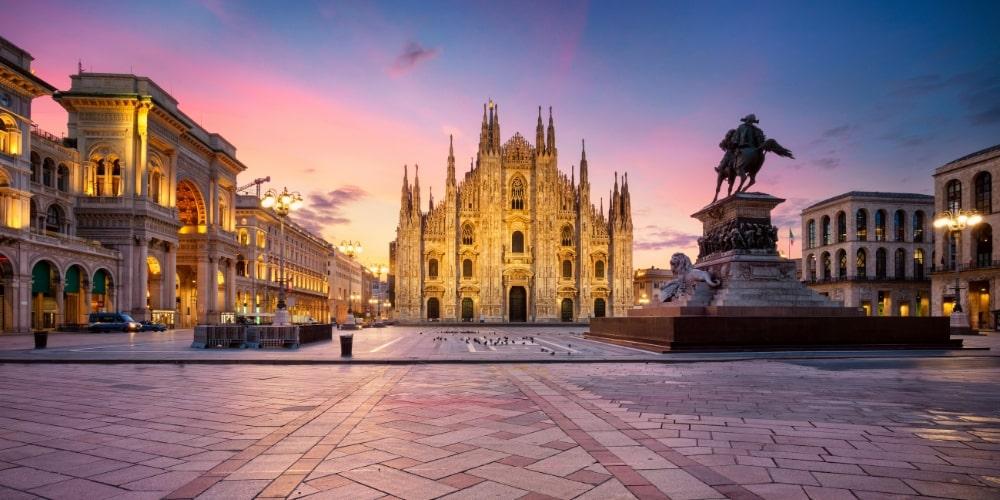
<point>516,240</point>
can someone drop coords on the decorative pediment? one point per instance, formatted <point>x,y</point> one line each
<point>517,149</point>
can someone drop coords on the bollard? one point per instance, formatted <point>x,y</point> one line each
<point>346,345</point>
<point>41,339</point>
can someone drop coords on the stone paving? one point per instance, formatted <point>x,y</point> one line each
<point>809,429</point>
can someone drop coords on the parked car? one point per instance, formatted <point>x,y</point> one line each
<point>112,322</point>
<point>149,326</point>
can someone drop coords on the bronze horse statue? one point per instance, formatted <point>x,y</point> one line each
<point>745,161</point>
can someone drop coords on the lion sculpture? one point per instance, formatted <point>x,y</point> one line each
<point>685,278</point>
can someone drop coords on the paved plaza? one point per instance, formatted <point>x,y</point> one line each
<point>890,425</point>
<point>408,344</point>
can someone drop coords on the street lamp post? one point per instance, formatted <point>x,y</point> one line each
<point>282,203</point>
<point>350,249</point>
<point>956,221</point>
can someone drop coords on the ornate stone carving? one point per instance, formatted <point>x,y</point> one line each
<point>741,235</point>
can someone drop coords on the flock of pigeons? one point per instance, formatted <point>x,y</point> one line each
<point>494,339</point>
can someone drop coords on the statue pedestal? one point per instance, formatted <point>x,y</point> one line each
<point>959,323</point>
<point>759,303</point>
<point>281,318</point>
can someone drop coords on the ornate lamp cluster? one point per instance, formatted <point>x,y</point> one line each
<point>956,221</point>
<point>282,203</point>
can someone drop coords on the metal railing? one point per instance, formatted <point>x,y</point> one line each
<point>863,279</point>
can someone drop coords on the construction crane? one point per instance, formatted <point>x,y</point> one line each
<point>256,182</point>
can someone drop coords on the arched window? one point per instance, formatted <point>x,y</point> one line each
<point>244,237</point>
<point>880,263</point>
<point>861,264</point>
<point>49,172</point>
<point>467,268</point>
<point>918,264</point>
<point>900,264</point>
<point>33,214</point>
<point>984,245</point>
<point>155,185</point>
<point>953,195</point>
<point>62,178</point>
<point>899,225</point>
<point>880,225</point>
<point>54,219</point>
<point>826,265</point>
<point>241,266</point>
<point>432,269</point>
<point>467,234</point>
<point>983,185</point>
<point>841,227</point>
<point>517,194</point>
<point>36,166</point>
<point>841,264</point>
<point>517,242</point>
<point>918,226</point>
<point>116,178</point>
<point>567,236</point>
<point>861,225</point>
<point>599,269</point>
<point>811,267</point>
<point>811,234</point>
<point>10,136</point>
<point>826,230</point>
<point>567,269</point>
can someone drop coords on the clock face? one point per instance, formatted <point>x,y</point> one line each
<point>5,100</point>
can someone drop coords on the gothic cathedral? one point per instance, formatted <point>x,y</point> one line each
<point>516,240</point>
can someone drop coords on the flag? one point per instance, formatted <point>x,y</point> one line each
<point>791,236</point>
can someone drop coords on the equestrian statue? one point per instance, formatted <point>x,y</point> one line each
<point>744,149</point>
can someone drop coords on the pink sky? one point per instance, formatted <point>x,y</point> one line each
<point>332,100</point>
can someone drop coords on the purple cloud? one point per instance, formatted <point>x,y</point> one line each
<point>412,55</point>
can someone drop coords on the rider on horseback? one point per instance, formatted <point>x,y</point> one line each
<point>744,149</point>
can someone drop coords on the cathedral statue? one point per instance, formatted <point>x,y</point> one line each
<point>744,148</point>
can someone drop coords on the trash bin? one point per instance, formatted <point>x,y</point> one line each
<point>346,345</point>
<point>41,339</point>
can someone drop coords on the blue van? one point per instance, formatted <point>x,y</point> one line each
<point>111,322</point>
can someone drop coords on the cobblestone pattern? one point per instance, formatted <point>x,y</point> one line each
<point>762,429</point>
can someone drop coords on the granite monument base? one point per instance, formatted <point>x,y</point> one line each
<point>704,332</point>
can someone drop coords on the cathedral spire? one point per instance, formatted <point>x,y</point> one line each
<point>490,144</point>
<point>416,189</point>
<point>496,127</point>
<point>584,180</point>
<point>431,191</point>
<point>550,141</point>
<point>451,160</point>
<point>404,202</point>
<point>539,135</point>
<point>482,133</point>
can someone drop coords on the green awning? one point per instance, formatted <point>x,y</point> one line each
<point>100,281</point>
<point>41,277</point>
<point>72,280</point>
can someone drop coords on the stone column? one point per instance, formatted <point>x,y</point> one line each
<point>57,290</point>
<point>205,292</point>
<point>21,286</point>
<point>140,282</point>
<point>168,294</point>
<point>86,294</point>
<point>230,287</point>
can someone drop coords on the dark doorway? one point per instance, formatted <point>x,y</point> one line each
<point>599,308</point>
<point>466,309</point>
<point>518,304</point>
<point>433,308</point>
<point>567,309</point>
